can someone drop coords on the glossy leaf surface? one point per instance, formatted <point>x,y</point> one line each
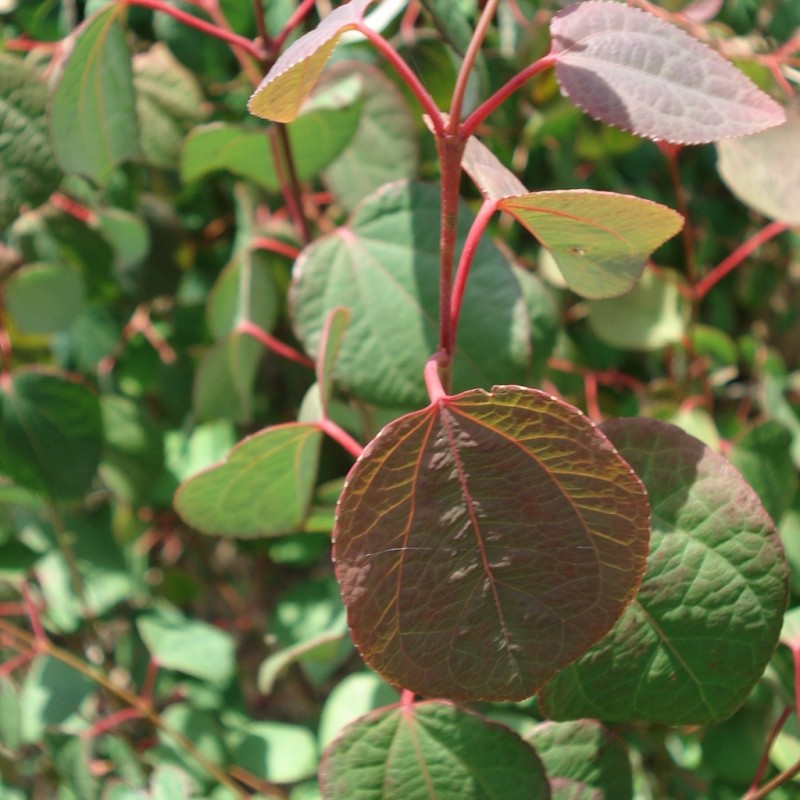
<point>708,614</point>
<point>93,122</point>
<point>430,751</point>
<point>484,542</point>
<point>383,267</point>
<point>263,488</point>
<point>291,79</point>
<point>630,69</point>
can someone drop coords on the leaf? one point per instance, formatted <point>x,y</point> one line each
<point>583,760</point>
<point>190,646</point>
<point>483,543</point>
<point>28,168</point>
<point>600,240</point>
<point>630,69</point>
<point>169,102</point>
<point>430,750</point>
<point>652,315</point>
<point>451,22</point>
<point>708,614</point>
<point>52,433</point>
<point>384,147</point>
<point>263,488</point>
<point>284,88</point>
<point>763,171</point>
<point>93,123</point>
<point>383,266</point>
<point>330,345</point>
<point>44,298</point>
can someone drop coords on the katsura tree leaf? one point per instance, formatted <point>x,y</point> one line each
<point>384,147</point>
<point>52,432</point>
<point>583,760</point>
<point>44,298</point>
<point>451,22</point>
<point>708,614</point>
<point>93,122</point>
<point>383,266</point>
<point>263,487</point>
<point>28,168</point>
<point>169,103</point>
<point>329,347</point>
<point>600,241</point>
<point>430,751</point>
<point>763,171</point>
<point>485,542</point>
<point>630,69</point>
<point>653,314</point>
<point>284,88</point>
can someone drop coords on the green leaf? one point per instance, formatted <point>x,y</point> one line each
<point>383,267</point>
<point>652,315</point>
<point>52,432</point>
<point>330,344</point>
<point>44,298</point>
<point>485,542</point>
<point>190,646</point>
<point>93,123</point>
<point>763,171</point>
<point>263,488</point>
<point>10,721</point>
<point>430,750</point>
<point>28,169</point>
<point>281,93</point>
<point>600,240</point>
<point>128,235</point>
<point>451,22</point>
<point>583,760</point>
<point>169,103</point>
<point>708,615</point>
<point>384,148</point>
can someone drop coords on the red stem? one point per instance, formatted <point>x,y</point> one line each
<point>763,763</point>
<point>407,697</point>
<point>502,94</point>
<point>33,614</point>
<point>200,24</point>
<point>297,17</point>
<point>274,246</point>
<point>110,722</point>
<point>433,381</point>
<point>73,208</point>
<point>20,660</point>
<point>340,436</point>
<point>284,165</point>
<point>476,230</point>
<point>730,263</point>
<point>273,343</point>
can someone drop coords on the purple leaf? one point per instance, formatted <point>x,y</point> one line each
<point>630,69</point>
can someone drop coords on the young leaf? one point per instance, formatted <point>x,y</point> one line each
<point>600,240</point>
<point>428,751</point>
<point>291,79</point>
<point>263,488</point>
<point>28,168</point>
<point>630,69</point>
<point>708,615</point>
<point>93,122</point>
<point>52,433</point>
<point>383,267</point>
<point>485,542</point>
<point>763,171</point>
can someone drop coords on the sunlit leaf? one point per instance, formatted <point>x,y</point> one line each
<point>430,751</point>
<point>485,542</point>
<point>708,615</point>
<point>284,88</point>
<point>263,488</point>
<point>630,69</point>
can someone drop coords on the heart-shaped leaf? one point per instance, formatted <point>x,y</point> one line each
<point>263,487</point>
<point>430,751</point>
<point>708,614</point>
<point>630,69</point>
<point>600,240</point>
<point>93,121</point>
<point>384,267</point>
<point>292,77</point>
<point>763,171</point>
<point>483,543</point>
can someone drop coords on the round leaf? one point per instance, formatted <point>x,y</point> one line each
<point>630,69</point>
<point>44,298</point>
<point>263,488</point>
<point>430,751</point>
<point>708,614</point>
<point>383,266</point>
<point>485,542</point>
